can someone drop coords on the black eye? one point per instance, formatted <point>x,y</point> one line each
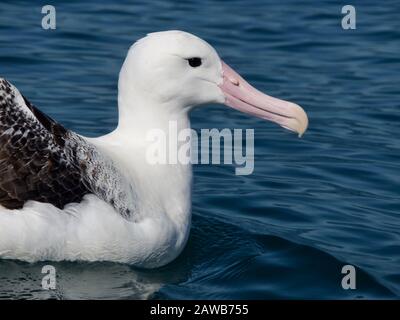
<point>194,62</point>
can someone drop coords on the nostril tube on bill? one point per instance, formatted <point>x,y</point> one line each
<point>234,81</point>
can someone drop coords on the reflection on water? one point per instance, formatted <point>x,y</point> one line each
<point>76,281</point>
<point>82,281</point>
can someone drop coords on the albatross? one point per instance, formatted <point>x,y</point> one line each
<point>64,196</point>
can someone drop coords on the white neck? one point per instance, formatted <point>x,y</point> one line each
<point>162,189</point>
<point>138,115</point>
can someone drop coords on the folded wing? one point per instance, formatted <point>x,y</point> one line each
<point>41,160</point>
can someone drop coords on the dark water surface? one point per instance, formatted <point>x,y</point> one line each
<point>311,206</point>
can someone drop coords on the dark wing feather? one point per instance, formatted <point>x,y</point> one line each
<point>33,163</point>
<point>41,160</point>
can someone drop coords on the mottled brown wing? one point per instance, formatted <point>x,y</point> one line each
<point>36,163</point>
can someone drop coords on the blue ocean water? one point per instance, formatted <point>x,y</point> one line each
<point>311,206</point>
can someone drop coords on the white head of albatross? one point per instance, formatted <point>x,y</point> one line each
<point>168,73</point>
<point>132,211</point>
